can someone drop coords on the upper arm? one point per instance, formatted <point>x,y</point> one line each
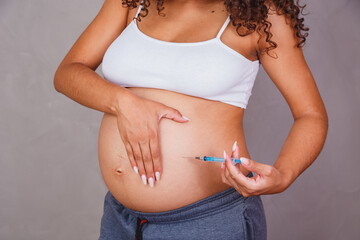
<point>289,71</point>
<point>90,47</point>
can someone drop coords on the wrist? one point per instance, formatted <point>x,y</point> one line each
<point>122,96</point>
<point>287,177</point>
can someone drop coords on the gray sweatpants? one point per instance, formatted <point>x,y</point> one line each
<point>225,215</point>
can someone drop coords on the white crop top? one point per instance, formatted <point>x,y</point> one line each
<point>207,69</point>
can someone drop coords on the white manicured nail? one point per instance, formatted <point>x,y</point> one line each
<point>234,146</point>
<point>224,154</point>
<point>244,160</point>
<point>157,175</point>
<point>143,177</point>
<point>151,182</point>
<point>136,169</point>
<point>185,117</point>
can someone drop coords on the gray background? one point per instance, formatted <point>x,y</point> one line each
<point>50,182</point>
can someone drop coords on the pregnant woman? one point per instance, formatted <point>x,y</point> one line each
<point>178,75</point>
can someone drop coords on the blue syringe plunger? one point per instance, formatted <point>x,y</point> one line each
<point>214,159</point>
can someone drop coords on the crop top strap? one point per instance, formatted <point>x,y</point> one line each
<point>139,8</point>
<point>223,27</point>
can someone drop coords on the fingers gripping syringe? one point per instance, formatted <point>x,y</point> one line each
<point>214,159</point>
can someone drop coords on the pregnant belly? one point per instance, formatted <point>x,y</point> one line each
<point>213,128</point>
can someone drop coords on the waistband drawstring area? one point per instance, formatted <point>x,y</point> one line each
<point>138,234</point>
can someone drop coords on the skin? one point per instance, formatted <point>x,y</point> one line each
<point>293,78</point>
<point>153,136</point>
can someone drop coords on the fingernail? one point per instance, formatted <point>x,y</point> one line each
<point>224,155</point>
<point>157,176</point>
<point>222,165</point>
<point>234,146</point>
<point>185,117</point>
<point>143,177</point>
<point>244,161</point>
<point>136,170</point>
<point>151,182</point>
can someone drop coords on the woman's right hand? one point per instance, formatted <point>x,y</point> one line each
<point>138,123</point>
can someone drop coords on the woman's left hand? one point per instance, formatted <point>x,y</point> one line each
<point>268,179</point>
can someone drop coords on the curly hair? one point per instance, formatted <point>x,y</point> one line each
<point>249,16</point>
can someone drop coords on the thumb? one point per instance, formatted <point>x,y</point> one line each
<point>251,165</point>
<point>173,114</point>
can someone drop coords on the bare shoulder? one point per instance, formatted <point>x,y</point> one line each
<point>281,31</point>
<point>287,68</point>
<point>91,45</point>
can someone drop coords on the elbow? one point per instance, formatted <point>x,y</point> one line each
<point>323,118</point>
<point>322,121</point>
<point>316,113</point>
<point>58,79</point>
<point>320,118</point>
<point>326,119</point>
<point>326,122</point>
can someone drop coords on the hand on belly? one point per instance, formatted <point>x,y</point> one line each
<point>138,126</point>
<point>183,181</point>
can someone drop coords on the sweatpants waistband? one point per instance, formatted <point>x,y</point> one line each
<point>209,205</point>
